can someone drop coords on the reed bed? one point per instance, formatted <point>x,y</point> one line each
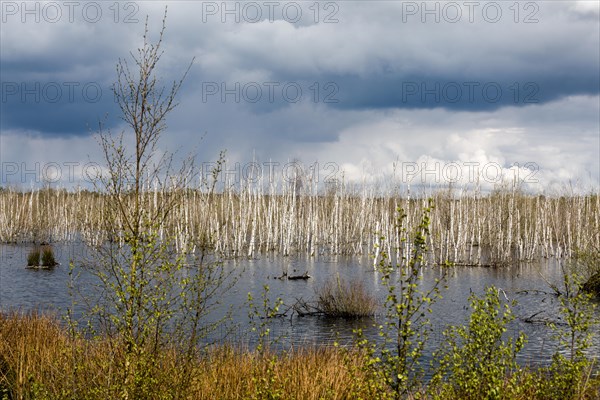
<point>467,228</point>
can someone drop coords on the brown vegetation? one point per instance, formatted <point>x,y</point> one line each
<point>40,360</point>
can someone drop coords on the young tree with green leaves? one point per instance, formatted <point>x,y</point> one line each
<point>154,290</point>
<point>395,361</point>
<point>477,360</point>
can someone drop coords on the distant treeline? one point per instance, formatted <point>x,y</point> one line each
<point>501,227</point>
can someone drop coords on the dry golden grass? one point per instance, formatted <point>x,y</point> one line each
<point>32,347</point>
<point>40,360</point>
<point>321,373</point>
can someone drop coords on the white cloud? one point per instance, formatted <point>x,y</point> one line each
<point>586,7</point>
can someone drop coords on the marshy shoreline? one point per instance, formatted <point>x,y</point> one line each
<point>40,359</point>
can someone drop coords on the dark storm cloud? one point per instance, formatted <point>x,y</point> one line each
<point>375,60</point>
<point>56,76</point>
<point>461,93</point>
<point>375,56</point>
<point>57,107</point>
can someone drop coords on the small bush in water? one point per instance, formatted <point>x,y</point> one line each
<point>48,259</point>
<point>33,258</point>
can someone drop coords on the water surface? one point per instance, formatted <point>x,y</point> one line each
<point>28,289</point>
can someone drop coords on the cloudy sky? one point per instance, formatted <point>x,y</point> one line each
<point>368,91</point>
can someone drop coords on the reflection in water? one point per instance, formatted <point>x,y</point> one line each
<point>26,289</point>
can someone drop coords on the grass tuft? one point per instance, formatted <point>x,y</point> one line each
<point>339,298</point>
<point>33,258</point>
<point>48,259</point>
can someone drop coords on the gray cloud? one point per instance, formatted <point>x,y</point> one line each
<point>376,86</point>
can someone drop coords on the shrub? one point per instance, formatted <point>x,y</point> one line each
<point>339,298</point>
<point>568,375</point>
<point>48,259</point>
<point>393,362</point>
<point>476,362</point>
<point>586,264</point>
<point>33,258</point>
<point>592,285</point>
